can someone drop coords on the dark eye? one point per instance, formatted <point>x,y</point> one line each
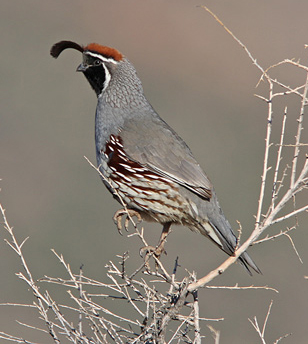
<point>97,62</point>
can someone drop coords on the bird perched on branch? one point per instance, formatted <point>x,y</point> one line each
<point>143,161</point>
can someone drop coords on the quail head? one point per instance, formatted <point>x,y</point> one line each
<point>144,162</point>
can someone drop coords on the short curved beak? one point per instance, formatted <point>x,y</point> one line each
<point>81,68</point>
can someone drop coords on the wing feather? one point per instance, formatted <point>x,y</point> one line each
<point>155,145</point>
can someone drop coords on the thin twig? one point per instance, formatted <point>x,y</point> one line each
<point>274,192</point>
<point>237,287</point>
<point>299,131</point>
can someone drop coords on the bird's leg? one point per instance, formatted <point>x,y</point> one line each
<point>129,213</point>
<point>158,250</point>
<point>161,246</point>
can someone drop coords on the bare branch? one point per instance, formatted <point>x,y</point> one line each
<point>215,334</point>
<point>299,131</point>
<point>297,184</point>
<point>155,298</point>
<point>277,168</point>
<point>237,287</point>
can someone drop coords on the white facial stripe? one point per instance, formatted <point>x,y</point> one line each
<point>107,77</point>
<point>104,59</point>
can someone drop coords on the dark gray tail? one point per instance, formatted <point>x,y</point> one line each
<point>248,263</point>
<point>226,240</point>
<point>218,229</point>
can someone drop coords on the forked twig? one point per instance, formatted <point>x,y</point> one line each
<point>297,184</point>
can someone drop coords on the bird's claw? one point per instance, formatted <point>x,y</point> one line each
<point>148,251</point>
<point>129,213</point>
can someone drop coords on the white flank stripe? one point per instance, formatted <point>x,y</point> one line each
<point>123,176</point>
<point>121,152</point>
<point>126,166</point>
<point>144,191</point>
<point>153,176</point>
<point>139,175</point>
<point>140,169</point>
<point>123,158</point>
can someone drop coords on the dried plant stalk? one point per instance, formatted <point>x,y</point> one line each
<point>166,310</point>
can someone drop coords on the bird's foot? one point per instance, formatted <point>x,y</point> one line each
<point>151,250</point>
<point>148,251</point>
<point>129,213</point>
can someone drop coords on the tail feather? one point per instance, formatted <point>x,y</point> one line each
<point>213,224</point>
<point>247,262</point>
<point>224,237</point>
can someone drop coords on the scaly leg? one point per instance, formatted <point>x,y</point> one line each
<point>160,248</point>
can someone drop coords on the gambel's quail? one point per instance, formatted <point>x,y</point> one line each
<point>144,162</point>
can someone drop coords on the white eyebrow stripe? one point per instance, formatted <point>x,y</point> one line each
<point>99,56</point>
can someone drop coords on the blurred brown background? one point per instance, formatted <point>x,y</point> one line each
<point>202,83</point>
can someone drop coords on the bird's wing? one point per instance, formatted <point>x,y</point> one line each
<point>152,143</point>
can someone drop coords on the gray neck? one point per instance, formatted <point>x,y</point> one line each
<point>120,102</point>
<point>124,89</point>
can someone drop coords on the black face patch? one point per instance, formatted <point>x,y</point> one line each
<point>96,76</point>
<point>95,71</point>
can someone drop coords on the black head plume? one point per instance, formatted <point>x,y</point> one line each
<point>57,48</point>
